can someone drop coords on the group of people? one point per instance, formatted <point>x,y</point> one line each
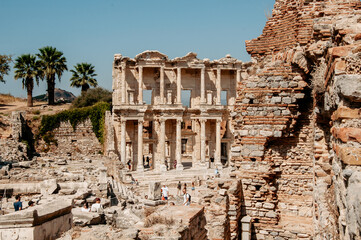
<point>186,196</point>
<point>18,205</point>
<point>96,207</point>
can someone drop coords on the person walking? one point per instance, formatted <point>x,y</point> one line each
<point>165,192</point>
<point>179,188</point>
<point>186,198</point>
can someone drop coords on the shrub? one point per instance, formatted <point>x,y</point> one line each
<point>92,96</point>
<point>95,113</point>
<point>36,112</point>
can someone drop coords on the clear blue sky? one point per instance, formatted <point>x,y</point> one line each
<point>94,30</point>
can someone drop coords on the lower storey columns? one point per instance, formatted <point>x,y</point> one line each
<point>203,141</point>
<point>161,143</point>
<point>123,124</point>
<point>217,157</point>
<point>140,165</point>
<point>178,145</point>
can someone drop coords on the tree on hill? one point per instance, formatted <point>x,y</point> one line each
<point>4,66</point>
<point>53,64</point>
<point>28,69</point>
<point>92,96</point>
<point>83,76</point>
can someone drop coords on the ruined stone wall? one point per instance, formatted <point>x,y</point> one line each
<point>295,167</point>
<point>81,140</point>
<point>15,149</point>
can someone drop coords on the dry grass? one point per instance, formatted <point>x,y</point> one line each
<point>318,78</point>
<point>7,98</point>
<point>157,219</point>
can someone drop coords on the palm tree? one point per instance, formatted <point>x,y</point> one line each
<point>53,64</point>
<point>4,66</point>
<point>83,76</point>
<point>28,68</point>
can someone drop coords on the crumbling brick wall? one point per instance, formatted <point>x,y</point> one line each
<point>306,64</point>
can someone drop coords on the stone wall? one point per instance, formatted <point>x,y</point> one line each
<point>297,137</point>
<point>81,140</point>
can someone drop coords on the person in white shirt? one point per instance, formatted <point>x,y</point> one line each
<point>165,192</point>
<point>186,198</point>
<point>97,207</point>
<point>85,207</point>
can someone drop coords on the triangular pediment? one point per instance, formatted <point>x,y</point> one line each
<point>151,55</point>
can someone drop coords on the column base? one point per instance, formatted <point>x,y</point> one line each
<point>180,167</point>
<point>163,168</point>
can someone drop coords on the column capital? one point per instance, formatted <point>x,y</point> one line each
<point>202,120</point>
<point>161,120</point>
<point>140,67</point>
<point>218,120</point>
<point>122,120</point>
<point>141,121</point>
<point>179,121</point>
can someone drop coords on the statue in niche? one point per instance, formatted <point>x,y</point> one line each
<point>129,151</point>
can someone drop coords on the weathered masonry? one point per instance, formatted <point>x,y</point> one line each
<point>173,113</point>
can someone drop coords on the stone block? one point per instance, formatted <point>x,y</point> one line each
<point>276,100</point>
<point>266,133</point>
<point>349,86</point>
<point>346,113</point>
<point>271,214</point>
<point>268,205</point>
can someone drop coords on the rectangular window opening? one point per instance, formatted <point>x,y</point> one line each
<point>147,97</point>
<point>224,98</point>
<point>186,98</point>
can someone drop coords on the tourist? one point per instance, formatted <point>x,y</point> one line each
<point>17,204</point>
<point>186,198</point>
<point>31,203</point>
<point>193,188</point>
<point>216,173</point>
<point>148,162</point>
<point>185,186</point>
<point>129,163</point>
<point>85,207</point>
<point>179,188</point>
<point>175,164</point>
<point>165,192</point>
<point>97,207</point>
<point>166,164</point>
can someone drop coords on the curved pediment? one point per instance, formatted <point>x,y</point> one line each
<point>151,55</point>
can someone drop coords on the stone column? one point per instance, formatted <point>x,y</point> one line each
<point>178,154</point>
<point>238,76</point>
<point>203,100</point>
<point>161,85</point>
<point>140,86</point>
<point>140,166</point>
<point>179,82</point>
<point>123,125</point>
<point>203,140</point>
<point>218,86</point>
<point>162,145</point>
<point>123,89</point>
<point>217,157</point>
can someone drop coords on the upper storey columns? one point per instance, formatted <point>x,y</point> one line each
<point>179,82</point>
<point>218,87</point>
<point>123,83</point>
<point>203,99</point>
<point>140,85</point>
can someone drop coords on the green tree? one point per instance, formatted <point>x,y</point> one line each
<point>4,66</point>
<point>83,76</point>
<point>53,64</point>
<point>28,69</point>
